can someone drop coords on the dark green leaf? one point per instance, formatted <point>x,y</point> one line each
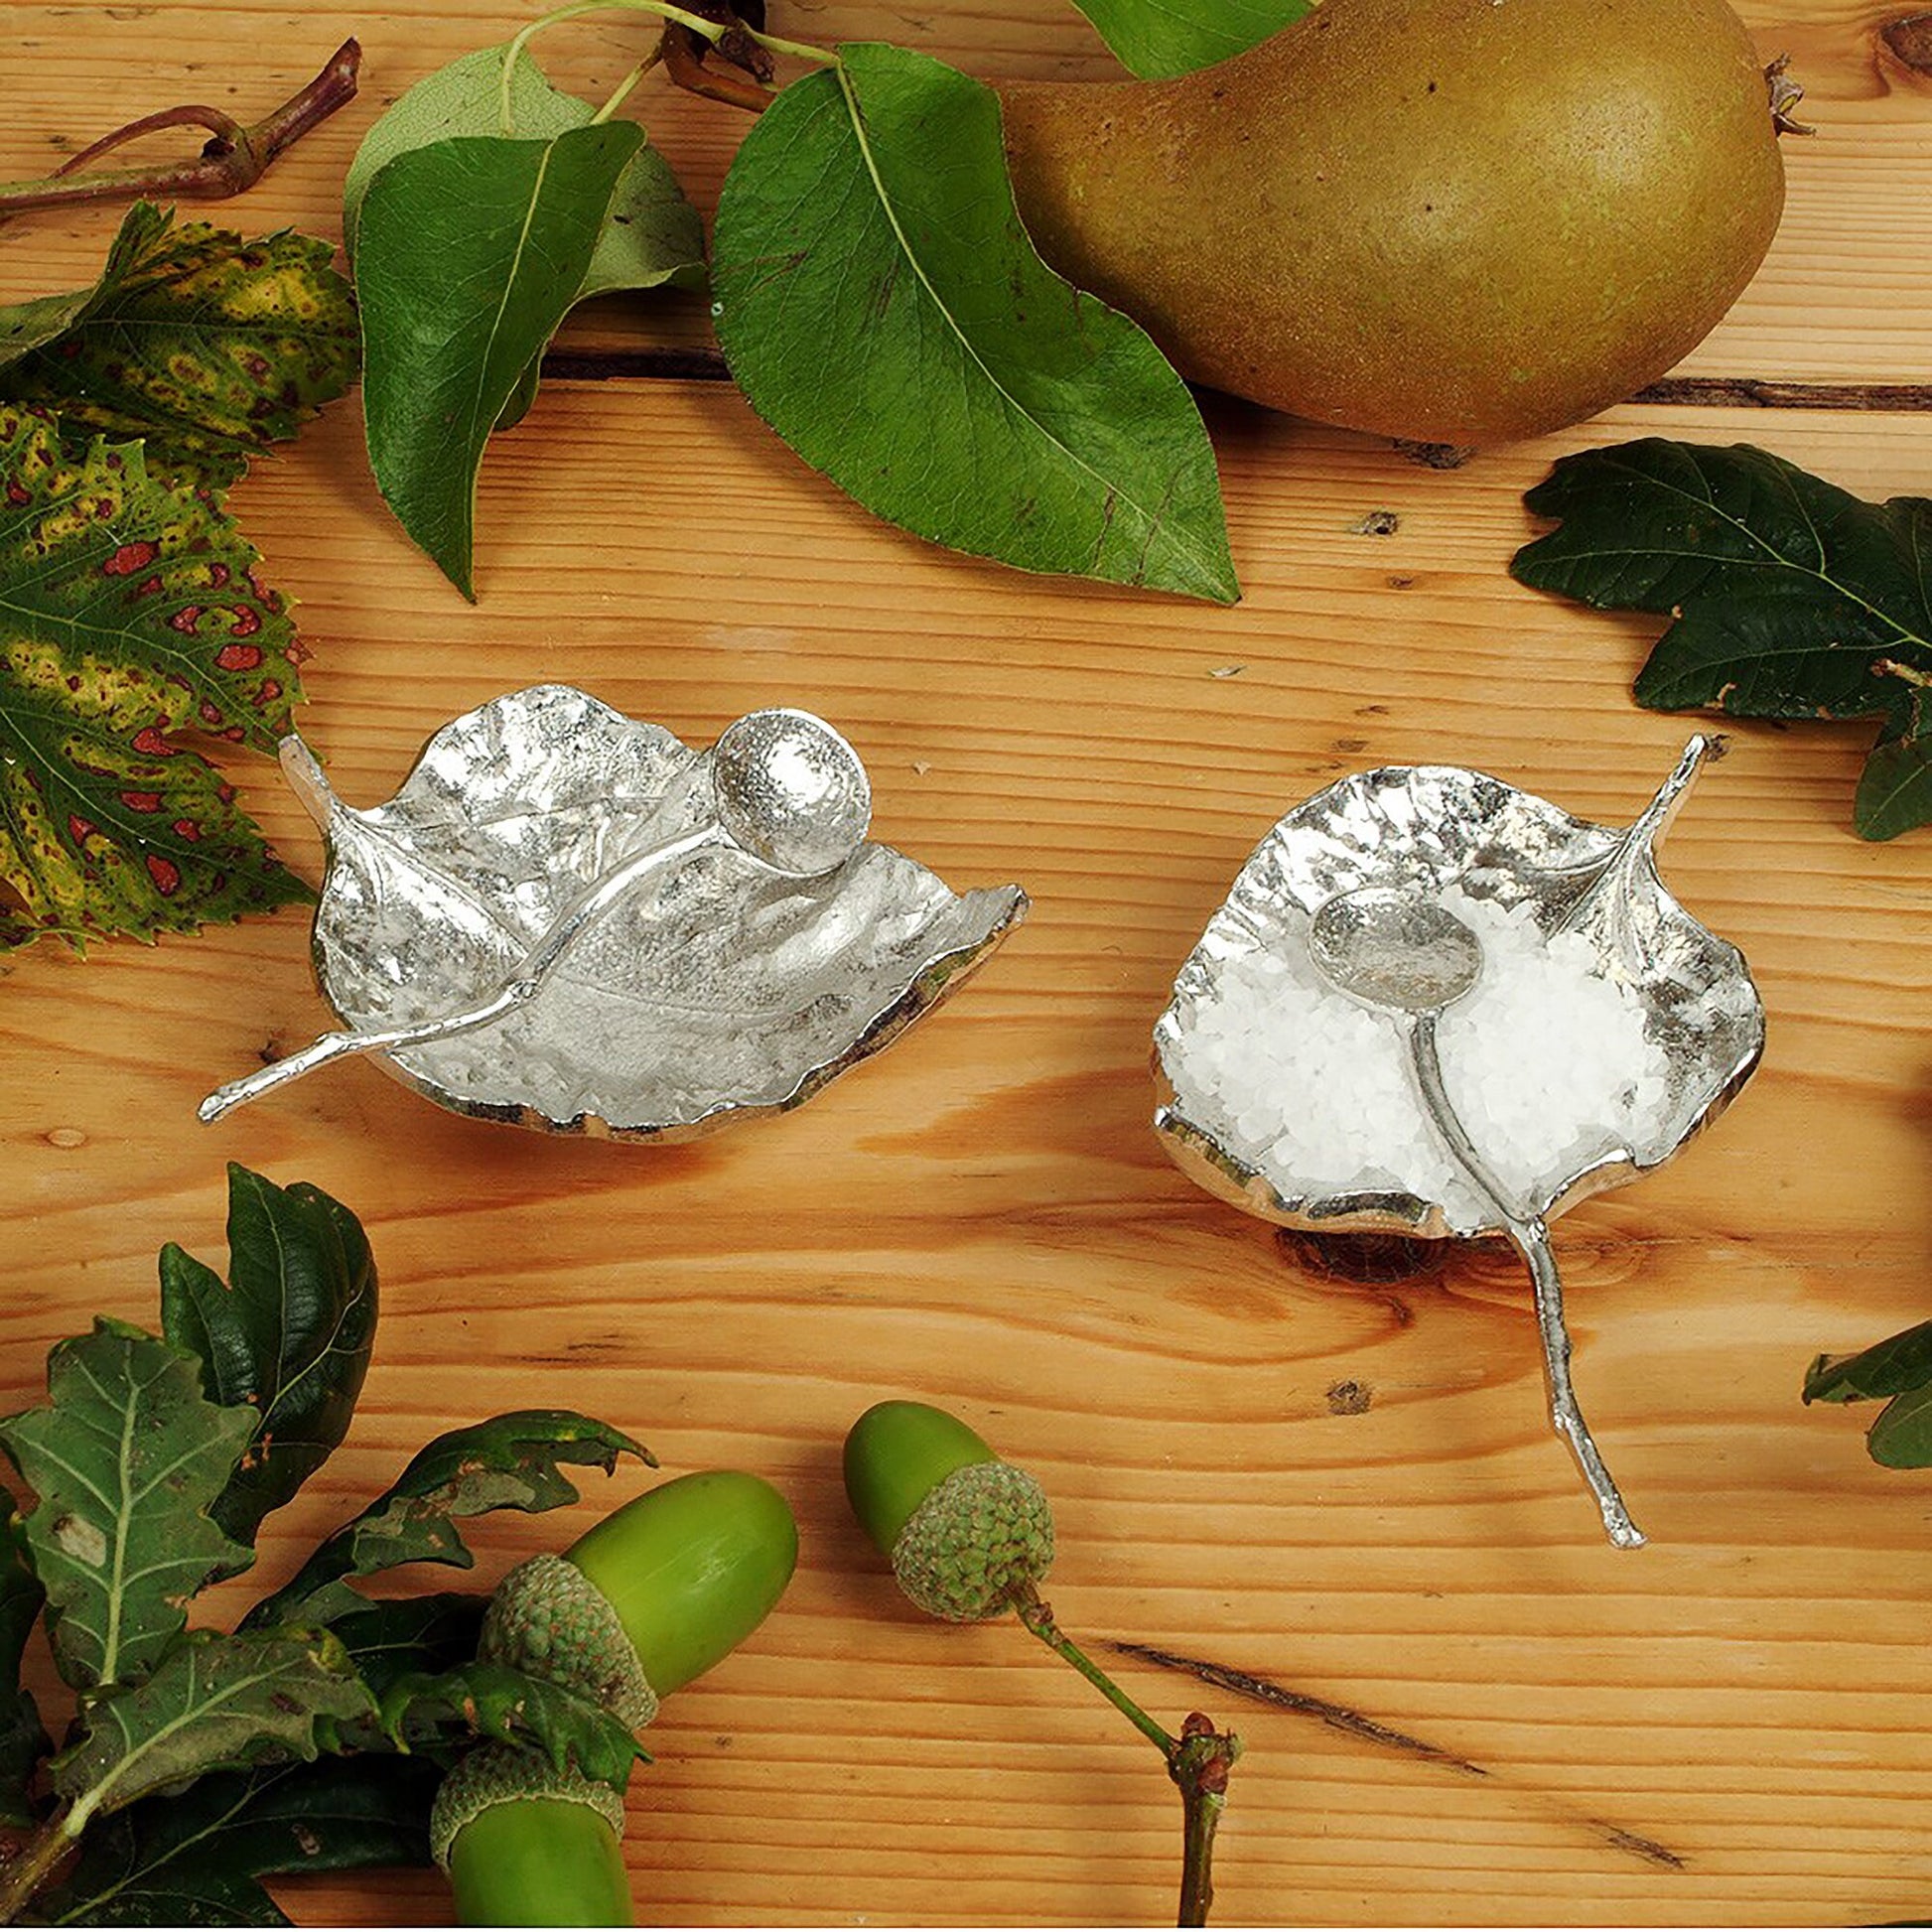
<point>469,254</point>
<point>513,1462</point>
<point>23,1738</point>
<point>1895,789</point>
<point>892,321</point>
<point>1894,1367</point>
<point>1157,38</point>
<point>405,1636</point>
<point>1897,1371</point>
<point>129,613</point>
<point>214,1703</point>
<point>1788,596</point>
<point>193,1858</point>
<point>1901,1438</point>
<point>208,346</point>
<point>125,1461</point>
<point>288,1338</point>
<point>493,1701</point>
<point>651,235</point>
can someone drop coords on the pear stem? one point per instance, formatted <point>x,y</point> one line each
<point>1199,1761</point>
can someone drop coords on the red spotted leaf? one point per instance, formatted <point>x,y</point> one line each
<point>130,616</point>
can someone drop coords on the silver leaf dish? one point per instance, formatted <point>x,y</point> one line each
<point>1413,837</point>
<point>570,883</point>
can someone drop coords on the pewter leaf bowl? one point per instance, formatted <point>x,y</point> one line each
<point>1436,1005</point>
<point>569,873</point>
<point>1432,829</point>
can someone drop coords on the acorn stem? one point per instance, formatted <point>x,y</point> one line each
<point>1199,1761</point>
<point>1037,1617</point>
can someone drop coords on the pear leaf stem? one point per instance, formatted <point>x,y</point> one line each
<point>1199,1761</point>
<point>716,32</point>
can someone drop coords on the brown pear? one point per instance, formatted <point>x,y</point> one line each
<point>1457,220</point>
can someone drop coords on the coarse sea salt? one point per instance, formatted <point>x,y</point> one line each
<point>1545,1060</point>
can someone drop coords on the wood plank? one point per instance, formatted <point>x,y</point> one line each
<point>1840,299</point>
<point>1721,1729</point>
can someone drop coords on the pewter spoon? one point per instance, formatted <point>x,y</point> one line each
<point>788,793</point>
<point>1409,955</point>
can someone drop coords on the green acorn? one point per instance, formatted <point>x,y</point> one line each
<point>969,1535</point>
<point>525,1843</point>
<point>652,1596</point>
<point>638,1607</point>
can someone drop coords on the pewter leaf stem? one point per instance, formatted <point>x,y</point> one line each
<point>1531,1238</point>
<point>525,981</point>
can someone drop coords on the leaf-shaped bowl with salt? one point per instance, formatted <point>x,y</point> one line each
<point>1599,1025</point>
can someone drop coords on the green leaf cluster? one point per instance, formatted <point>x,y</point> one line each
<point>132,611</point>
<point>1897,1372</point>
<point>312,1737</point>
<point>874,293</point>
<point>1787,596</point>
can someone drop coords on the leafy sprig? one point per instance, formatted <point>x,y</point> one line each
<point>1897,1372</point>
<point>875,295</point>
<point>1786,596</point>
<point>153,1463</point>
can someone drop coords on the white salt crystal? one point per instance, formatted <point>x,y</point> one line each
<point>1546,1061</point>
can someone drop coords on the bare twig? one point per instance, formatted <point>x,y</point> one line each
<point>233,159</point>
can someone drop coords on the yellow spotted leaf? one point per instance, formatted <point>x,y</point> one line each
<point>130,614</point>
<point>210,347</point>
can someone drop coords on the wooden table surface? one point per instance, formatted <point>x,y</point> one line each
<point>1344,1496</point>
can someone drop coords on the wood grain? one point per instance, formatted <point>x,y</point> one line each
<point>1338,1499</point>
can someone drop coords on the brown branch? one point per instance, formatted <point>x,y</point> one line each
<point>234,159</point>
<point>224,127</point>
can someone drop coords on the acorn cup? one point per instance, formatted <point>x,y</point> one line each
<point>525,1843</point>
<point>969,1538</point>
<point>969,1535</point>
<point>636,1608</point>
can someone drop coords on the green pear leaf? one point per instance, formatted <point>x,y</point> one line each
<point>476,1701</point>
<point>1897,1371</point>
<point>196,1856</point>
<point>891,320</point>
<point>1901,1437</point>
<point>126,1458</point>
<point>1158,39</point>
<point>469,254</point>
<point>651,235</point>
<point>129,614</point>
<point>208,346</point>
<point>22,1737</point>
<point>214,1703</point>
<point>287,1336</point>
<point>513,1462</point>
<point>1787,596</point>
